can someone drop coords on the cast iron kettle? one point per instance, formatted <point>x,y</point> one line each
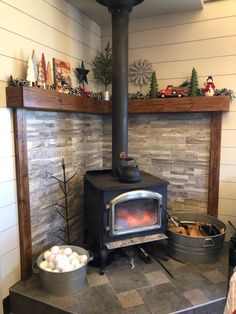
<point>129,173</point>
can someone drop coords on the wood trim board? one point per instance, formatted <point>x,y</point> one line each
<point>23,196</point>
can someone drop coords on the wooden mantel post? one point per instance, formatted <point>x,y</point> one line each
<point>214,164</point>
<point>23,196</point>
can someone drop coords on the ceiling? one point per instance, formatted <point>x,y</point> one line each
<point>99,13</point>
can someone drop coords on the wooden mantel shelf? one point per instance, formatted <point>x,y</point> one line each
<point>50,100</point>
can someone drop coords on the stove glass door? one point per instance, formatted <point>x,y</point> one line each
<point>135,211</point>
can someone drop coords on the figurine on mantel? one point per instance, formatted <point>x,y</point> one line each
<point>210,87</point>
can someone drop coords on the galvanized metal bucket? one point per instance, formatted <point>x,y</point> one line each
<point>64,283</point>
<point>196,250</point>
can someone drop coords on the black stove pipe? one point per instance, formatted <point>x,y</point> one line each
<point>120,20</point>
<point>119,10</point>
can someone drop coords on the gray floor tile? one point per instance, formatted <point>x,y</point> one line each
<point>188,278</point>
<point>94,300</point>
<point>157,277</point>
<point>196,297</point>
<point>124,279</point>
<point>130,299</point>
<point>211,308</point>
<point>163,299</point>
<point>148,268</point>
<point>215,276</point>
<point>215,291</point>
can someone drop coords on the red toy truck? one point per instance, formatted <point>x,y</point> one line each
<point>172,91</point>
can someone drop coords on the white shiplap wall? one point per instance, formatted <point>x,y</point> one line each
<point>174,44</point>
<point>206,40</point>
<point>54,28</point>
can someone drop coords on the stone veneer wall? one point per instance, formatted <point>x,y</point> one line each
<point>50,136</point>
<point>174,147</point>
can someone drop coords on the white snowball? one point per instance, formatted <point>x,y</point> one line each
<point>58,257</point>
<point>55,271</point>
<point>43,265</point>
<point>61,250</point>
<point>68,267</point>
<point>60,265</point>
<point>48,269</point>
<point>83,259</point>
<point>67,251</point>
<point>75,263</point>
<point>66,262</point>
<point>71,257</point>
<point>75,254</point>
<point>51,257</point>
<point>55,249</point>
<point>47,254</point>
<point>51,265</point>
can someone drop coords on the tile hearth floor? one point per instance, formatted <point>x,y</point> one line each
<point>147,288</point>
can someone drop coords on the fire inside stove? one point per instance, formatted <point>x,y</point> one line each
<point>135,214</point>
<point>135,211</point>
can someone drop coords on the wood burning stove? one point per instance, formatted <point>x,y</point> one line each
<point>123,214</point>
<point>120,214</point>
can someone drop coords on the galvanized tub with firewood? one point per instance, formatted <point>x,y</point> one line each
<point>196,248</point>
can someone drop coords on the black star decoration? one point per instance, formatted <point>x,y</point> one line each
<point>82,74</point>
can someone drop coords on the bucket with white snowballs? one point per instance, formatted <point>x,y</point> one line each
<point>63,269</point>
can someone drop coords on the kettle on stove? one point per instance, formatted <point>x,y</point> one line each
<point>129,173</point>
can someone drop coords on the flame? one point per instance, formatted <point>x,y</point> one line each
<point>126,220</point>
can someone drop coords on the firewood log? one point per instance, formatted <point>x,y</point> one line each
<point>193,231</point>
<point>180,229</point>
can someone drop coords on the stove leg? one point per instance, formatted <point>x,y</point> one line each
<point>103,258</point>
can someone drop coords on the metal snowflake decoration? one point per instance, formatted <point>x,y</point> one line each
<point>140,72</point>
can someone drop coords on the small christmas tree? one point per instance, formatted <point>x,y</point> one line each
<point>102,67</point>
<point>41,79</point>
<point>49,81</point>
<point>193,87</point>
<point>153,93</point>
<point>43,62</point>
<point>35,66</point>
<point>30,72</point>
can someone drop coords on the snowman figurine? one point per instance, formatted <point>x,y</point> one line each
<point>210,87</point>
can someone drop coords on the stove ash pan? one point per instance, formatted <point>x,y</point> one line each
<point>134,211</point>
